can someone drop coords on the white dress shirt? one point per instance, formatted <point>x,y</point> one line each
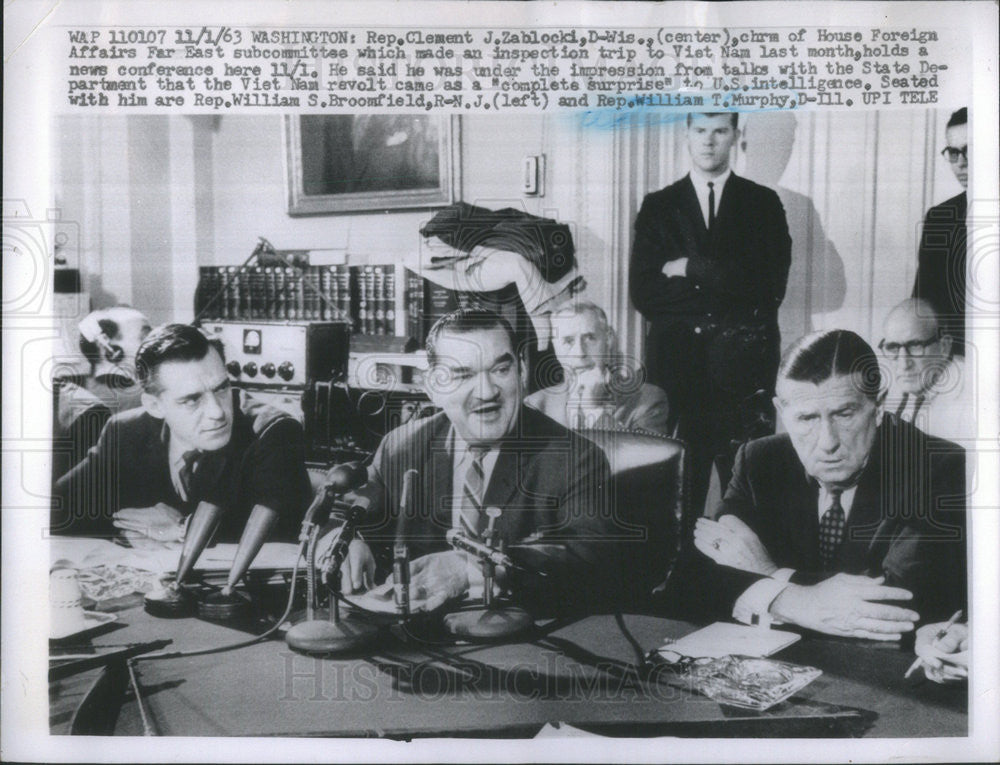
<point>752,606</point>
<point>701,189</point>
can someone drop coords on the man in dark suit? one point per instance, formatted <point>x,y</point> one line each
<point>193,440</point>
<point>821,526</point>
<point>485,452</point>
<point>941,254</point>
<point>709,267</point>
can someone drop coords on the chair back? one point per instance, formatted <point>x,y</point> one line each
<point>649,504</point>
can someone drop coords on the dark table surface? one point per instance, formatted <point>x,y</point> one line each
<point>579,671</point>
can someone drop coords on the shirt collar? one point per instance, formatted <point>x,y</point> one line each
<point>701,181</point>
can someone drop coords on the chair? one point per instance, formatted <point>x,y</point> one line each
<point>650,505</point>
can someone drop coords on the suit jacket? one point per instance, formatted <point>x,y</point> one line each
<point>646,407</point>
<point>263,463</point>
<point>736,274</point>
<point>941,266</point>
<point>551,484</point>
<point>907,520</point>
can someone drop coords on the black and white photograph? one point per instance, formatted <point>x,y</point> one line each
<point>589,431</point>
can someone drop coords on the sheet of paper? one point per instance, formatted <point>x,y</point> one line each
<point>723,639</point>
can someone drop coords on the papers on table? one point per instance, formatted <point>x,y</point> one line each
<point>89,553</point>
<point>724,639</point>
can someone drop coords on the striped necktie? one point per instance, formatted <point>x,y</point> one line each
<point>473,490</point>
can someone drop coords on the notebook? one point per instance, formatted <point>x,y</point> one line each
<point>723,639</point>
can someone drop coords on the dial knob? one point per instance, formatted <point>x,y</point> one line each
<point>286,370</point>
<point>233,367</point>
<point>250,369</point>
<point>267,369</point>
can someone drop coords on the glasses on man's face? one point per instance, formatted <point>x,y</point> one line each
<point>953,154</point>
<point>914,348</point>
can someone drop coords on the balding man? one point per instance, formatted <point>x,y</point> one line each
<point>928,385</point>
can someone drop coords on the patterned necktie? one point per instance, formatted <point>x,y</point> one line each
<point>711,204</point>
<point>831,530</point>
<point>472,491</point>
<point>186,473</point>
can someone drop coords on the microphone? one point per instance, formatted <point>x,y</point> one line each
<point>338,550</point>
<point>401,553</point>
<point>465,543</point>
<point>338,480</point>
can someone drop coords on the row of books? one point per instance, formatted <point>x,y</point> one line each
<point>366,296</point>
<point>363,295</point>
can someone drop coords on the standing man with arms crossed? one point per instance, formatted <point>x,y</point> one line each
<point>709,266</point>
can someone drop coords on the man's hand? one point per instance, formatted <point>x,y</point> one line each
<point>160,524</point>
<point>730,542</point>
<point>847,605</point>
<point>437,578</point>
<point>676,267</point>
<point>945,660</point>
<point>358,570</point>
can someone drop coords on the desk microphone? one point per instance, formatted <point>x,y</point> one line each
<point>401,552</point>
<point>461,541</point>
<point>339,480</point>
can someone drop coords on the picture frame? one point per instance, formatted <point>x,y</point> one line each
<point>349,163</point>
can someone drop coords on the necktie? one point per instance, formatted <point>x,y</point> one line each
<point>186,473</point>
<point>916,408</point>
<point>711,204</point>
<point>472,490</point>
<point>831,530</point>
<point>902,406</point>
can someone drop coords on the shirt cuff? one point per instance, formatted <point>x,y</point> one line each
<point>752,606</point>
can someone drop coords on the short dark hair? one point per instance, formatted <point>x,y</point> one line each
<point>734,117</point>
<point>466,320</point>
<point>171,342</point>
<point>818,356</point>
<point>960,117</point>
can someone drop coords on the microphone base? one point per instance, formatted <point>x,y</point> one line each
<point>219,607</point>
<point>488,624</point>
<point>319,636</point>
<point>168,603</point>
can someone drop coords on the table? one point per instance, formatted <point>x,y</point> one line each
<point>580,671</point>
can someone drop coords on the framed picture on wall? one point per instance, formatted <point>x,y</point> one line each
<point>371,162</point>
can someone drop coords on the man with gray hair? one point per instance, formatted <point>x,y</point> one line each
<point>850,523</point>
<point>598,388</point>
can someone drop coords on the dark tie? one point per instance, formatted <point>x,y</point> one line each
<point>186,474</point>
<point>916,408</point>
<point>902,406</point>
<point>472,490</point>
<point>711,204</point>
<point>831,530</point>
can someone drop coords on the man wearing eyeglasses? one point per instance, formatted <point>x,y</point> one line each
<point>941,255</point>
<point>927,386</point>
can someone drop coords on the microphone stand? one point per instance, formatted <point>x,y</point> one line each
<point>492,621</point>
<point>324,631</point>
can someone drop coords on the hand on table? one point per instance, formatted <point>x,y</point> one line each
<point>730,542</point>
<point>435,579</point>
<point>945,660</point>
<point>157,527</point>
<point>358,570</point>
<point>847,605</point>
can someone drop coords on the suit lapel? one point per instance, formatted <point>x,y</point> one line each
<point>805,518</point>
<point>868,526</point>
<point>437,466</point>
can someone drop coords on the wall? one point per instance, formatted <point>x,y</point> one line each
<point>158,196</point>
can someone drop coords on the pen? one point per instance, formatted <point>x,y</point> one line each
<point>940,634</point>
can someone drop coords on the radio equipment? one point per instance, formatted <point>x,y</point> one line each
<point>282,354</point>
